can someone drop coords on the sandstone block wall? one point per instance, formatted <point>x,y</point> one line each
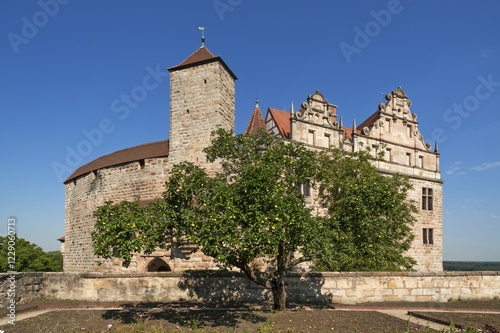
<point>202,98</point>
<point>86,193</point>
<point>327,288</point>
<point>27,287</point>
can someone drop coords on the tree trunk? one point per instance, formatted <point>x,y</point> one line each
<point>279,293</point>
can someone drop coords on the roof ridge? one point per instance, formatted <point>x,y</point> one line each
<point>125,155</point>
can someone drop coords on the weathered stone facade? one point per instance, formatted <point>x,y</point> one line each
<point>87,192</point>
<point>393,130</point>
<point>327,288</point>
<point>202,98</point>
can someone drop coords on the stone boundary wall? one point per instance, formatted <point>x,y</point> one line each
<point>228,287</point>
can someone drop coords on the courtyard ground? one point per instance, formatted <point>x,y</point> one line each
<point>68,316</point>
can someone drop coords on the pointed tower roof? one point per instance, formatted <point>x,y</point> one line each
<point>199,57</point>
<point>256,121</point>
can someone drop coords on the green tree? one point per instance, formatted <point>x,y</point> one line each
<point>250,209</point>
<point>368,215</point>
<point>28,257</point>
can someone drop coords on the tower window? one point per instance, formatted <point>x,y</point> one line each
<point>428,235</point>
<point>205,81</point>
<point>427,198</point>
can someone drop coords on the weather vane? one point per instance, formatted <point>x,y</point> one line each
<point>202,29</point>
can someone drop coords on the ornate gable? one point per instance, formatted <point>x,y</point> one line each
<point>394,117</point>
<point>318,111</point>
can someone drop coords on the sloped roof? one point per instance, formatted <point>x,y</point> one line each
<point>282,120</point>
<point>348,132</point>
<point>369,121</point>
<point>136,153</point>
<point>256,121</point>
<point>199,57</point>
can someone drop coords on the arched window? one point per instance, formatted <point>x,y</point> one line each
<point>158,265</point>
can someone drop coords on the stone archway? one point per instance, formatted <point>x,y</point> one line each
<point>158,265</point>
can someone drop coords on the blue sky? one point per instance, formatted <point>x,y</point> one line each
<point>64,63</point>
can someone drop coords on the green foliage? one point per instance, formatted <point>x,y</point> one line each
<point>368,222</point>
<point>28,257</point>
<point>471,265</point>
<point>252,208</point>
<point>124,228</point>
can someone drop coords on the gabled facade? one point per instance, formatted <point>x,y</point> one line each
<point>393,128</point>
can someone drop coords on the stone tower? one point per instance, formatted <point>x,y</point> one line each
<point>202,90</point>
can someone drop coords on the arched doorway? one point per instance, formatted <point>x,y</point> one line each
<point>158,265</point>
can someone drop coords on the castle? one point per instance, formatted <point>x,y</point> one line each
<point>202,98</point>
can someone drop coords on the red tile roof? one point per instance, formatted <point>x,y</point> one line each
<point>348,132</point>
<point>199,57</point>
<point>137,153</point>
<point>200,54</point>
<point>369,121</point>
<point>282,120</point>
<point>256,122</point>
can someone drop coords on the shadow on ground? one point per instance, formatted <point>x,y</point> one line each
<point>192,316</point>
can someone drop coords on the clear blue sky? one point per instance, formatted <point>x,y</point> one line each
<point>64,63</point>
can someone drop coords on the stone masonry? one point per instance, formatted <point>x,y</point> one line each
<point>392,130</point>
<point>202,99</point>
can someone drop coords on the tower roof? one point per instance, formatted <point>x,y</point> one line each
<point>256,121</point>
<point>199,57</point>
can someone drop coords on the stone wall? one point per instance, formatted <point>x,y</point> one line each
<point>26,287</point>
<point>229,287</point>
<point>202,98</point>
<point>87,192</point>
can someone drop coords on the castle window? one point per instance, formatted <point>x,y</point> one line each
<point>428,235</point>
<point>408,131</point>
<point>420,161</point>
<point>328,140</point>
<point>205,81</point>
<point>142,163</point>
<point>305,188</point>
<point>388,154</point>
<point>408,159</point>
<point>387,125</point>
<point>427,198</point>
<point>311,137</point>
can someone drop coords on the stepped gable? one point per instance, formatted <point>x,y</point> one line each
<point>136,153</point>
<point>199,57</point>
<point>256,121</point>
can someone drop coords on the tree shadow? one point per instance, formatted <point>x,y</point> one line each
<point>225,299</point>
<point>304,290</point>
<point>186,314</point>
<point>235,289</point>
